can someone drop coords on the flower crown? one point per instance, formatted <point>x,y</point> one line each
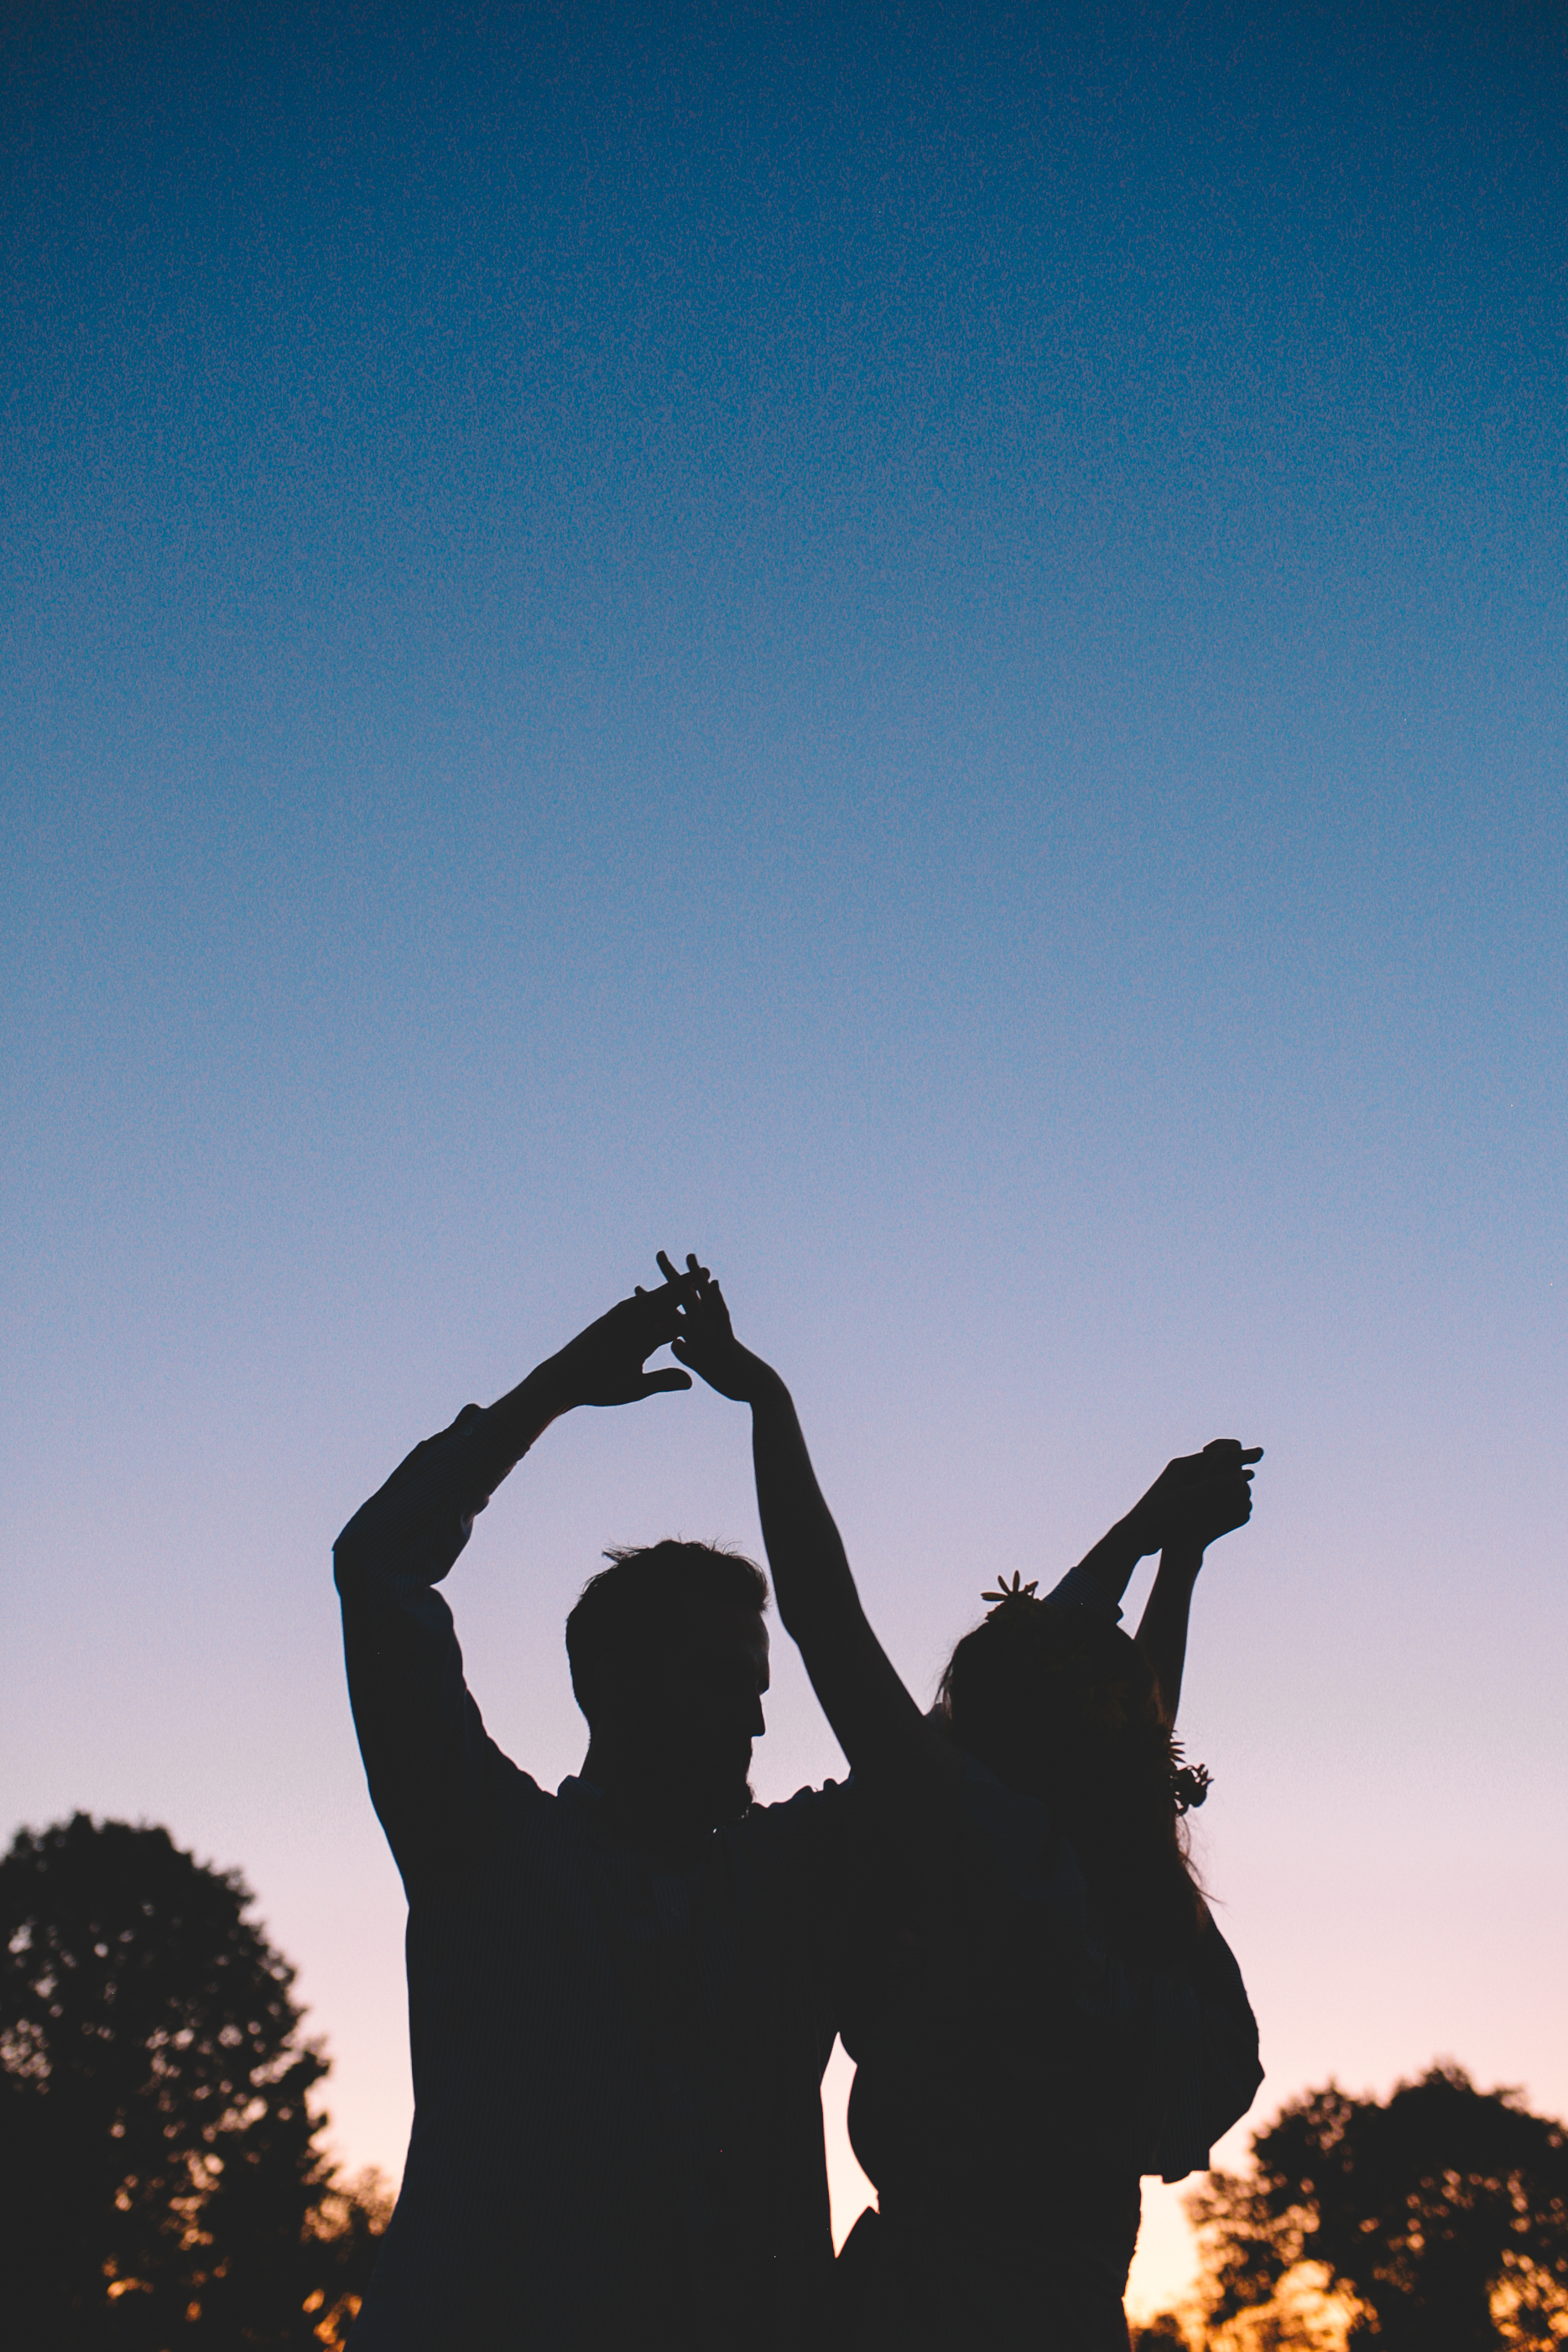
<point>1190,1783</point>
<point>1016,1591</point>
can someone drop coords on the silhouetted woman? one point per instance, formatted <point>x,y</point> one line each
<point>1048,2014</point>
<point>1040,2004</point>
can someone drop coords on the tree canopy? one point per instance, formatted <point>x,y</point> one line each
<point>163,2183</point>
<point>1440,2217</point>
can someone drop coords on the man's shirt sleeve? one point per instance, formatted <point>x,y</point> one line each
<point>428,1758</point>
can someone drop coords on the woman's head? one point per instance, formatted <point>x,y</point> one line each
<point>1065,1709</point>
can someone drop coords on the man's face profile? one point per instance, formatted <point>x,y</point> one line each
<point>696,1709</point>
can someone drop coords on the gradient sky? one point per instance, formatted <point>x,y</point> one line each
<point>922,648</point>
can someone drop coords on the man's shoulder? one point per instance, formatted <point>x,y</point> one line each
<point>805,1801</point>
<point>517,1825</point>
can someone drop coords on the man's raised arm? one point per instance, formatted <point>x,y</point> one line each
<point>427,1756</point>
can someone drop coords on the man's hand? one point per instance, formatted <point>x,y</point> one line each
<point>1197,1497</point>
<point>603,1365</point>
<point>707,1343</point>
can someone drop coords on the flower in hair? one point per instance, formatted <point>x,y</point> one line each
<point>1190,1783</point>
<point>1016,1591</point>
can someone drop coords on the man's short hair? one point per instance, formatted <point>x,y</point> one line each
<point>642,1599</point>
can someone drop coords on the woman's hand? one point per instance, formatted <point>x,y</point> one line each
<point>1197,1498</point>
<point>706,1341</point>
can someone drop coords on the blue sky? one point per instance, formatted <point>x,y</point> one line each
<point>923,649</point>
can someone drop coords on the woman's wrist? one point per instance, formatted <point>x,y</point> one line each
<point>1183,1559</point>
<point>764,1387</point>
<point>1133,1535</point>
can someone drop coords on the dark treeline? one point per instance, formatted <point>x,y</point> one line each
<point>1434,2221</point>
<point>163,2184</point>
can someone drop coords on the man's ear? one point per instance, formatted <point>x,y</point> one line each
<point>618,1685</point>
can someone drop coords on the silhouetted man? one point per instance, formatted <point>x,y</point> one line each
<point>618,1995</point>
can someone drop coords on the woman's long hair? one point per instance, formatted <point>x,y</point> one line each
<point>1067,1710</point>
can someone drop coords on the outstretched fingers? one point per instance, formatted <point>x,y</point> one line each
<point>659,1310</point>
<point>695,1275</point>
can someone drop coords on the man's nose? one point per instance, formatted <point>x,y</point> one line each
<point>757,1726</point>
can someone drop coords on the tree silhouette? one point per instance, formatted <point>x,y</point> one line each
<point>1442,2216</point>
<point>163,2183</point>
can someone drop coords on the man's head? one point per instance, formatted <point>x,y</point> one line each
<point>669,1662</point>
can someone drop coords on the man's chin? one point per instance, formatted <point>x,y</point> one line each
<point>704,1800</point>
<point>733,1804</point>
<point>720,1803</point>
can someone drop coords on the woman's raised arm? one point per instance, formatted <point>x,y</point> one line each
<point>1215,1497</point>
<point>877,1723</point>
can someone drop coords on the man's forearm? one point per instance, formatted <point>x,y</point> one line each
<point>517,1420</point>
<point>420,1519</point>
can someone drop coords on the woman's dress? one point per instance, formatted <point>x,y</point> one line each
<point>1016,2075</point>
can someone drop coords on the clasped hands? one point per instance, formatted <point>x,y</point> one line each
<point>1195,1499</point>
<point>604,1364</point>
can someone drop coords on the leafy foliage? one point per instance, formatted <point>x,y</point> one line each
<point>1440,2219</point>
<point>163,2184</point>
